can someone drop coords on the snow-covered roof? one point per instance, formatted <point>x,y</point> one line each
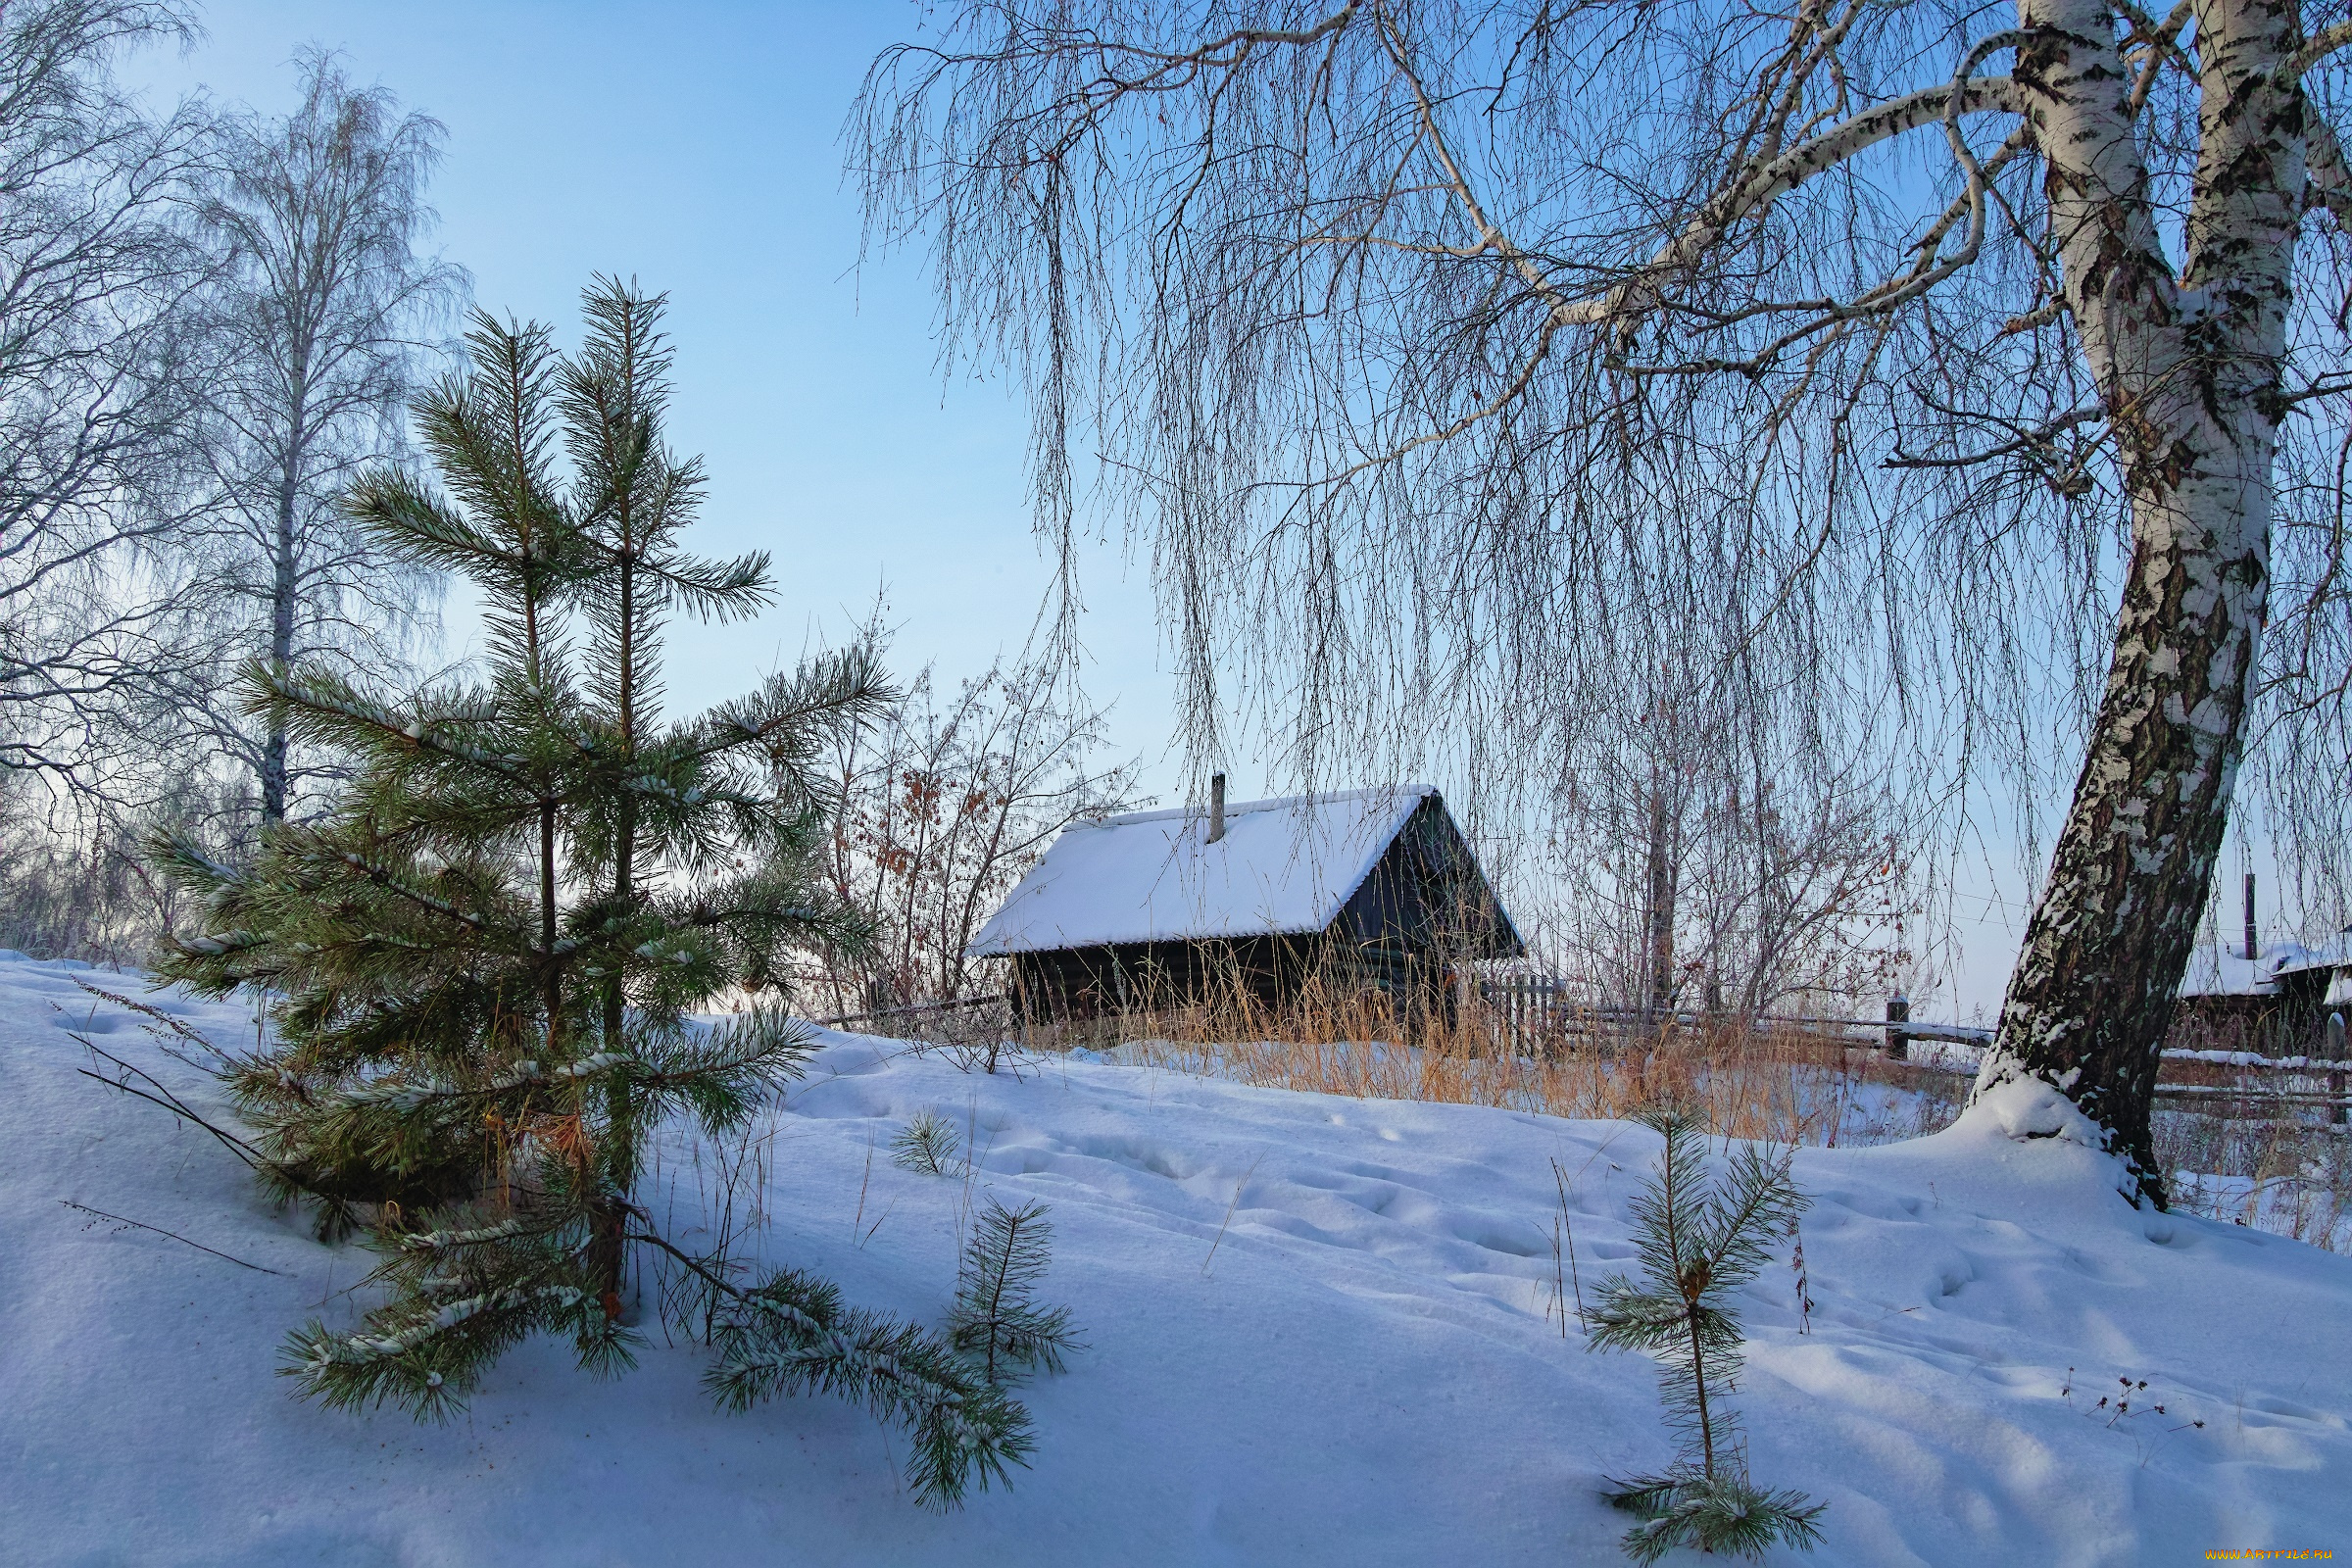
<point>2335,954</point>
<point>1282,866</point>
<point>2223,970</point>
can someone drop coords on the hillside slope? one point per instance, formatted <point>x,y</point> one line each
<point>1319,1329</point>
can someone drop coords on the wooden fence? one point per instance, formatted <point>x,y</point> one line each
<point>1535,1015</point>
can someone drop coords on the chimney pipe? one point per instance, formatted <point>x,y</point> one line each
<point>1216,810</point>
<point>2251,951</point>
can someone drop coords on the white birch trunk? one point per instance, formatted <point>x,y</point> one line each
<point>2189,370</point>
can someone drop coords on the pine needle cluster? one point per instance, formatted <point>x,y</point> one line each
<point>483,959</point>
<point>794,1335</point>
<point>928,1145</point>
<point>997,1323</point>
<point>1702,1236</point>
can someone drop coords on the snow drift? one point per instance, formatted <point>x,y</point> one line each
<point>1319,1329</point>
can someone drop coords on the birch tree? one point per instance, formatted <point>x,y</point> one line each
<point>2007,343</point>
<point>318,330</point>
<point>97,355</point>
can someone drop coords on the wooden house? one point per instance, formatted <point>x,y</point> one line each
<point>1369,889</point>
<point>2275,1003</point>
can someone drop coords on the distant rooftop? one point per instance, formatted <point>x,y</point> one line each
<point>2222,969</point>
<point>1284,867</point>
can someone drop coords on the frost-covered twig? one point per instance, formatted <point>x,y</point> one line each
<point>158,1016</point>
<point>140,1224</point>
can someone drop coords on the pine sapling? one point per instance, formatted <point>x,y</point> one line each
<point>794,1335</point>
<point>996,1323</point>
<point>483,964</point>
<point>1701,1238</point>
<point>929,1145</point>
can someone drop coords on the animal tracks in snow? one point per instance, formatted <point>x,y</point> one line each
<point>1292,1179</point>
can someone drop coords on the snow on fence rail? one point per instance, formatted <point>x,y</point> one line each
<point>2247,1058</point>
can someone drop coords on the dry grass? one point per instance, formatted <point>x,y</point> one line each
<point>1781,1083</point>
<point>2290,1175</point>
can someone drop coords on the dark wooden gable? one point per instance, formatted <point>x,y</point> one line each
<point>1426,898</point>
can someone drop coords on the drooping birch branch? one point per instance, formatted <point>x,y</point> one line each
<point>1751,197</point>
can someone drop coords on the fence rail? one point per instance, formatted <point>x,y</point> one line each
<point>1536,1013</point>
<point>957,1005</point>
<point>1533,1006</point>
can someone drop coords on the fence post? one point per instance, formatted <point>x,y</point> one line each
<point>2335,1080</point>
<point>1898,1039</point>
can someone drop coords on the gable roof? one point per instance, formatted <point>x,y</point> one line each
<point>1284,867</point>
<point>2220,969</point>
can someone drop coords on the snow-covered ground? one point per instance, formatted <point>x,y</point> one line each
<point>1319,1329</point>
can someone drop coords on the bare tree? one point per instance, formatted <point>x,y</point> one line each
<point>97,360</point>
<point>944,807</point>
<point>1718,851</point>
<point>1404,317</point>
<point>319,332</point>
<point>75,881</point>
<point>1806,897</point>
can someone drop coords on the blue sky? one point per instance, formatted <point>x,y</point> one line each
<point>695,146</point>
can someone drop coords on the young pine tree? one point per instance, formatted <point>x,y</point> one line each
<point>1700,1238</point>
<point>995,1321</point>
<point>632,496</point>
<point>928,1145</point>
<point>483,963</point>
